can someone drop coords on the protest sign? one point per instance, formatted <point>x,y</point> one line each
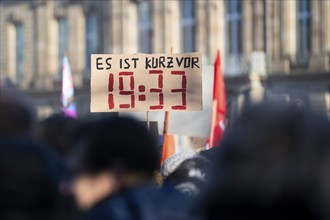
<point>146,82</point>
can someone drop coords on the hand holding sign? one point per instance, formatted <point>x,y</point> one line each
<point>144,82</point>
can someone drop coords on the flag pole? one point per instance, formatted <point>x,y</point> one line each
<point>167,115</point>
<point>148,121</point>
<point>214,108</point>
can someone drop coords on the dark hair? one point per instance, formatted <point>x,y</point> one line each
<point>29,181</point>
<point>112,143</point>
<point>181,173</point>
<point>57,131</point>
<point>191,176</point>
<point>273,164</point>
<point>17,117</point>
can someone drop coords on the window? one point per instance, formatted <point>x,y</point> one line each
<point>188,22</point>
<point>63,40</point>
<point>233,27</point>
<point>303,28</point>
<point>19,53</point>
<point>144,27</point>
<point>92,37</point>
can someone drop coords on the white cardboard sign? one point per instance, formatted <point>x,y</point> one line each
<point>146,82</point>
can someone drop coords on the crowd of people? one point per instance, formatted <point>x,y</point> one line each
<point>273,163</point>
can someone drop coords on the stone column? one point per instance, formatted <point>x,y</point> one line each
<point>41,44</point>
<point>316,27</point>
<point>29,43</point>
<point>129,27</point>
<point>320,60</point>
<point>3,46</point>
<point>117,25</point>
<point>172,26</point>
<point>52,41</point>
<point>288,43</point>
<point>27,20</point>
<point>277,18</point>
<point>10,52</point>
<point>216,29</point>
<point>158,28</point>
<point>124,27</point>
<point>325,8</point>
<point>201,27</point>
<point>8,44</point>
<point>247,27</point>
<point>107,26</point>
<point>320,30</point>
<point>276,32</point>
<point>268,34</point>
<point>76,38</point>
<point>258,25</point>
<point>326,33</point>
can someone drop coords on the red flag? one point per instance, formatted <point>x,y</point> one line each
<point>218,105</point>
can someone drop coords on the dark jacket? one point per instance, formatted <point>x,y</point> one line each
<point>147,203</point>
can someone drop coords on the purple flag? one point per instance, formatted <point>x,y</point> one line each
<point>68,105</point>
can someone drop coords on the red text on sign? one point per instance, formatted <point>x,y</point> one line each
<point>158,90</point>
<point>130,91</point>
<point>183,90</point>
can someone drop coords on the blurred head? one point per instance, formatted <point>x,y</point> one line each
<point>57,132</point>
<point>29,181</point>
<point>17,116</point>
<point>111,155</point>
<point>171,163</point>
<point>190,176</point>
<point>274,164</point>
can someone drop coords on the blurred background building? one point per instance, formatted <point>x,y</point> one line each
<point>271,49</point>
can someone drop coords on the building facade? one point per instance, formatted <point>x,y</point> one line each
<point>271,49</point>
